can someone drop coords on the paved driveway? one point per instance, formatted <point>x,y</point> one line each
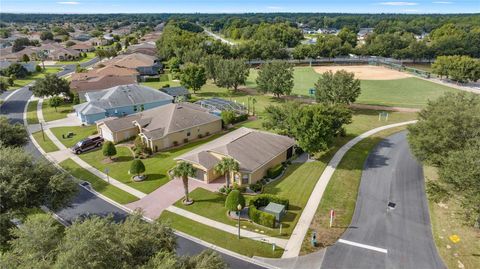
<point>154,203</point>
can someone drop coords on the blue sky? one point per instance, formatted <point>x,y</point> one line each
<point>238,6</point>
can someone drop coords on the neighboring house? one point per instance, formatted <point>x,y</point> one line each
<point>83,47</point>
<point>30,51</point>
<point>119,101</point>
<point>151,37</point>
<point>255,151</point>
<point>102,78</point>
<point>163,127</point>
<point>147,48</point>
<point>30,66</point>
<point>179,93</point>
<point>363,33</point>
<point>146,65</point>
<point>82,37</point>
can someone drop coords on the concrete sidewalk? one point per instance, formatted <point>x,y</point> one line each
<point>64,153</point>
<point>294,244</point>
<point>227,228</point>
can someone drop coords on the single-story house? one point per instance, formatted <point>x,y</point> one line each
<point>102,78</point>
<point>83,47</point>
<point>82,37</point>
<point>146,65</point>
<point>179,93</point>
<point>148,48</point>
<point>29,66</point>
<point>119,101</point>
<point>163,127</point>
<point>255,151</point>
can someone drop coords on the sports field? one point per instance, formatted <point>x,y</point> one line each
<point>405,91</point>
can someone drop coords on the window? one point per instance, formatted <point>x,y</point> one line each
<point>188,133</point>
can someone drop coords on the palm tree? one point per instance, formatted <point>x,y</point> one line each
<point>184,170</point>
<point>226,166</point>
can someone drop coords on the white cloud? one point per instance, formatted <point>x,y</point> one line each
<point>68,3</point>
<point>443,2</point>
<point>398,3</point>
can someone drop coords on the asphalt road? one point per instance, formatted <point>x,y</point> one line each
<point>391,174</point>
<point>86,203</point>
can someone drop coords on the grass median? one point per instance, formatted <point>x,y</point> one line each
<point>51,114</point>
<point>244,246</point>
<point>44,141</point>
<point>32,112</point>
<point>97,183</point>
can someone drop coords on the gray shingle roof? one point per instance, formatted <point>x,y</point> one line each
<point>123,95</point>
<point>175,91</point>
<point>250,148</point>
<point>160,121</point>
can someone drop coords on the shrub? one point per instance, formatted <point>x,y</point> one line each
<point>275,171</point>
<point>137,167</point>
<point>264,199</point>
<point>38,68</point>
<point>185,140</point>
<point>109,149</point>
<point>234,199</point>
<point>239,188</point>
<point>151,79</point>
<point>256,187</point>
<point>199,135</point>
<point>240,118</point>
<point>207,133</point>
<point>260,217</point>
<point>228,117</point>
<point>175,143</point>
<point>166,86</point>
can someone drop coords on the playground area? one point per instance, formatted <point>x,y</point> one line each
<point>366,72</point>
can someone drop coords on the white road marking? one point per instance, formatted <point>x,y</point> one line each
<point>363,246</point>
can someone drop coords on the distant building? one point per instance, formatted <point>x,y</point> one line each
<point>119,101</point>
<point>146,65</point>
<point>83,47</point>
<point>148,48</point>
<point>29,66</point>
<point>179,93</point>
<point>102,78</point>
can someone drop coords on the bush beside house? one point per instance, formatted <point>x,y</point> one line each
<point>260,217</point>
<point>275,171</point>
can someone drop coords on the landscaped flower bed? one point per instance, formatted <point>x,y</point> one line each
<point>260,217</point>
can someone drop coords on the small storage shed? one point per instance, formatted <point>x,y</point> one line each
<point>275,209</point>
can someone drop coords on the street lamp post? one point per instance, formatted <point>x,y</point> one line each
<point>239,207</point>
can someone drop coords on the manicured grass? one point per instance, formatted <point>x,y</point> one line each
<point>222,239</point>
<point>97,183</point>
<point>296,185</point>
<point>31,78</point>
<point>304,78</point>
<point>90,55</point>
<point>32,112</point>
<point>164,80</point>
<point>425,67</point>
<point>47,145</point>
<point>50,114</point>
<point>156,166</point>
<point>447,220</point>
<point>406,92</point>
<point>80,132</point>
<point>341,193</point>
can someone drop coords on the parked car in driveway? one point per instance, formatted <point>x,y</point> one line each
<point>87,144</point>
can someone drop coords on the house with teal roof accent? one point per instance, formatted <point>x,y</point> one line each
<point>120,101</point>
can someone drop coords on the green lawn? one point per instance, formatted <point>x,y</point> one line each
<point>406,92</point>
<point>157,166</point>
<point>50,114</point>
<point>341,193</point>
<point>97,183</point>
<point>447,219</point>
<point>304,78</point>
<point>222,239</point>
<point>47,145</point>
<point>296,185</point>
<point>164,80</point>
<point>32,112</point>
<point>31,78</point>
<point>90,55</point>
<point>80,132</point>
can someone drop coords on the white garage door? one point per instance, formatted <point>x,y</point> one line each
<point>106,134</point>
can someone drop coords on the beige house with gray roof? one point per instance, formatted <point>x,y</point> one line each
<point>255,151</point>
<point>163,127</point>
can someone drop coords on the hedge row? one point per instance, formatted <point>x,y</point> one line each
<point>275,171</point>
<point>260,217</point>
<point>240,118</point>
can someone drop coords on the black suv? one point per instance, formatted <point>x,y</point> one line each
<point>87,144</point>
